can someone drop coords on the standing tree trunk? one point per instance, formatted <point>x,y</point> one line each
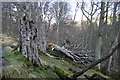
<point>106,20</point>
<point>118,51</point>
<point>76,9</point>
<point>57,35</point>
<point>20,36</point>
<point>110,60</point>
<point>98,50</point>
<point>101,24</point>
<point>114,34</point>
<point>43,37</point>
<point>28,37</point>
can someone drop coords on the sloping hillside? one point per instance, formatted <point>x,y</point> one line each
<point>18,66</point>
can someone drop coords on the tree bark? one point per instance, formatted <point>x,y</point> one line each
<point>43,37</point>
<point>98,50</point>
<point>106,20</point>
<point>110,60</point>
<point>20,36</point>
<point>118,52</point>
<point>76,9</point>
<point>29,35</point>
<point>101,23</point>
<point>66,52</point>
<point>114,29</point>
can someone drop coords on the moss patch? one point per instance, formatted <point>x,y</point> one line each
<point>115,75</point>
<point>60,71</point>
<point>20,67</point>
<point>64,65</point>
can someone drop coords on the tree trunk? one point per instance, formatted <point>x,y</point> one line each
<point>106,20</point>
<point>102,13</point>
<point>114,30</point>
<point>20,36</point>
<point>66,52</point>
<point>58,32</point>
<point>118,52</point>
<point>43,37</point>
<point>29,35</point>
<point>98,50</point>
<point>110,60</point>
<point>29,41</point>
<point>76,9</point>
<point>101,23</point>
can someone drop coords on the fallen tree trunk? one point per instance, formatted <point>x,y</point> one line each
<point>66,52</point>
<point>113,49</point>
<point>70,54</point>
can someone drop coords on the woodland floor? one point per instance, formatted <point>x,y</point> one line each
<point>16,66</point>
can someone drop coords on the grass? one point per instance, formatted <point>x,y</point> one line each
<point>5,40</point>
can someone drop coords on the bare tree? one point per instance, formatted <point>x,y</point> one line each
<point>107,7</point>
<point>42,14</point>
<point>119,37</point>
<point>92,12</point>
<point>89,15</point>
<point>114,31</point>
<point>60,9</point>
<point>28,36</point>
<point>101,24</point>
<point>76,9</point>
